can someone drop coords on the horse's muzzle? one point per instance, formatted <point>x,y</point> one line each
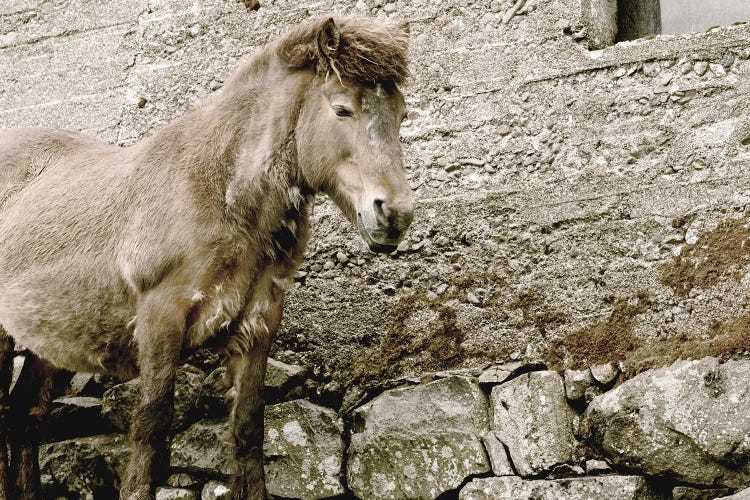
<point>384,237</point>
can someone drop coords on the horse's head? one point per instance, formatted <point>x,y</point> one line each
<point>348,133</point>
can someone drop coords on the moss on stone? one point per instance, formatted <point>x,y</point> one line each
<point>440,339</point>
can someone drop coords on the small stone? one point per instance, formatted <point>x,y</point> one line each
<point>182,480</point>
<point>651,68</point>
<point>442,241</point>
<point>576,383</point>
<point>305,442</point>
<point>175,494</point>
<point>441,288</point>
<point>472,299</point>
<point>700,68</point>
<point>718,69</point>
<point>18,362</point>
<point>85,384</point>
<point>499,460</point>
<point>404,246</point>
<point>214,490</point>
<point>605,374</point>
<point>504,129</point>
<point>591,393</point>
<point>202,449</point>
<point>728,60</point>
<point>282,379</point>
<point>515,355</point>
<point>597,467</point>
<point>566,470</point>
<point>342,257</point>
<point>476,162</point>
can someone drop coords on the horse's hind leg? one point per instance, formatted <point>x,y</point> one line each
<point>6,374</point>
<point>37,385</point>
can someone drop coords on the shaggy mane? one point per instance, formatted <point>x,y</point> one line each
<point>369,51</point>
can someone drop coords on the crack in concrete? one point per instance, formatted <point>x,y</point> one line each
<point>63,34</point>
<point>75,98</point>
<point>129,69</point>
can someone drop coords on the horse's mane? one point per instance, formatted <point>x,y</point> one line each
<point>369,51</point>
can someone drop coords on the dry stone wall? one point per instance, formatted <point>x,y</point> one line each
<point>678,432</point>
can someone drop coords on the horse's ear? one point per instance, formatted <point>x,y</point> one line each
<point>329,39</point>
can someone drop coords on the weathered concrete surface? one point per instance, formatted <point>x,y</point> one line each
<point>688,422</point>
<point>418,442</point>
<point>541,169</point>
<point>609,487</point>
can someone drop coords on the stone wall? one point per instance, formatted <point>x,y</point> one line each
<point>509,431</point>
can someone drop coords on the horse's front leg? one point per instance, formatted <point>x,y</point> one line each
<point>159,333</point>
<point>248,369</point>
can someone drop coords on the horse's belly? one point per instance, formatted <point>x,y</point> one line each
<point>76,324</point>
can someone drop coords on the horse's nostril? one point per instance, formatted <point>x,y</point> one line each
<point>381,211</point>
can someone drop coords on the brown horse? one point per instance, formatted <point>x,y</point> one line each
<point>114,260</point>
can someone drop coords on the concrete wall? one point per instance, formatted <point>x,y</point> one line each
<point>554,183</point>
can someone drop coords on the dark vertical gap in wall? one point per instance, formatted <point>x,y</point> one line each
<point>638,18</point>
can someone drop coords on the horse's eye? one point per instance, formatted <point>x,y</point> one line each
<point>342,111</point>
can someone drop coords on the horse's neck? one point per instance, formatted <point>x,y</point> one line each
<point>240,150</point>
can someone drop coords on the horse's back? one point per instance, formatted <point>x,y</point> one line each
<point>25,153</point>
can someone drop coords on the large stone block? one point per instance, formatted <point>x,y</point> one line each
<point>418,442</point>
<point>531,416</point>
<point>87,468</point>
<point>584,488</point>
<point>688,422</point>
<point>119,401</point>
<point>303,450</point>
